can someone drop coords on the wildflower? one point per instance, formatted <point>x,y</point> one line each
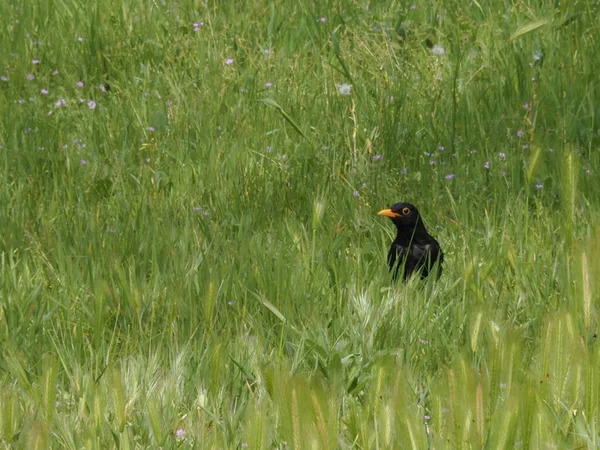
<point>588,171</point>
<point>35,61</point>
<point>44,91</point>
<point>344,89</point>
<point>502,155</point>
<point>355,193</point>
<point>431,162</point>
<point>151,129</point>
<point>377,157</point>
<point>526,106</point>
<point>537,56</point>
<point>449,176</point>
<point>525,147</point>
<point>55,73</point>
<point>441,148</point>
<point>60,102</point>
<point>92,104</point>
<point>550,150</point>
<point>80,84</point>
<point>539,186</point>
<point>180,433</point>
<point>243,90</point>
<point>268,84</point>
<point>520,133</point>
<point>82,100</point>
<point>84,162</point>
<point>426,417</point>
<point>323,19</point>
<point>269,149</point>
<point>472,152</point>
<point>325,147</point>
<point>413,7</point>
<point>80,39</point>
<point>486,165</point>
<point>21,101</point>
<point>438,50</point>
<point>103,88</point>
<point>30,76</point>
<point>229,61</point>
<point>4,78</point>
<point>404,170</point>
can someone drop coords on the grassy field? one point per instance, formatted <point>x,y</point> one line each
<point>190,252</point>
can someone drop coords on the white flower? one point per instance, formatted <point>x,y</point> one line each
<point>438,50</point>
<point>344,89</point>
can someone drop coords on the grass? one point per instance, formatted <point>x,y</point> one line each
<point>190,254</point>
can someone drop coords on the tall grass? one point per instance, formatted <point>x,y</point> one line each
<point>190,254</point>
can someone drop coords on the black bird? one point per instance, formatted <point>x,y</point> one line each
<point>414,249</point>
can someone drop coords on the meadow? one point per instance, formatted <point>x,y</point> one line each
<point>190,252</point>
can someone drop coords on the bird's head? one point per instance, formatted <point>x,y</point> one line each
<point>404,215</point>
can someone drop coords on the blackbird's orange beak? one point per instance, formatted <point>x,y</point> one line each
<point>388,213</point>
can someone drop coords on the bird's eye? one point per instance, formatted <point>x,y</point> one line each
<point>405,211</point>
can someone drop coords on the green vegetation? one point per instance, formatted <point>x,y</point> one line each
<point>190,252</point>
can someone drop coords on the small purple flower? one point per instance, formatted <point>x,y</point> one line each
<point>441,148</point>
<point>486,165</point>
<point>355,193</point>
<point>80,84</point>
<point>269,149</point>
<point>424,341</point>
<point>60,102</point>
<point>426,417</point>
<point>520,133</point>
<point>180,433</point>
<point>206,213</point>
<point>525,147</point>
<point>323,19</point>
<point>151,129</point>
<point>472,152</point>
<point>30,76</point>
<point>588,171</point>
<point>413,7</point>
<point>377,157</point>
<point>526,106</point>
<point>502,155</point>
<point>84,162</point>
<point>432,162</point>
<point>55,73</point>
<point>44,91</point>
<point>229,61</point>
<point>539,186</point>
<point>404,170</point>
<point>103,88</point>
<point>450,176</point>
<point>92,104</point>
<point>35,61</point>
<point>80,39</point>
<point>4,78</point>
<point>268,84</point>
